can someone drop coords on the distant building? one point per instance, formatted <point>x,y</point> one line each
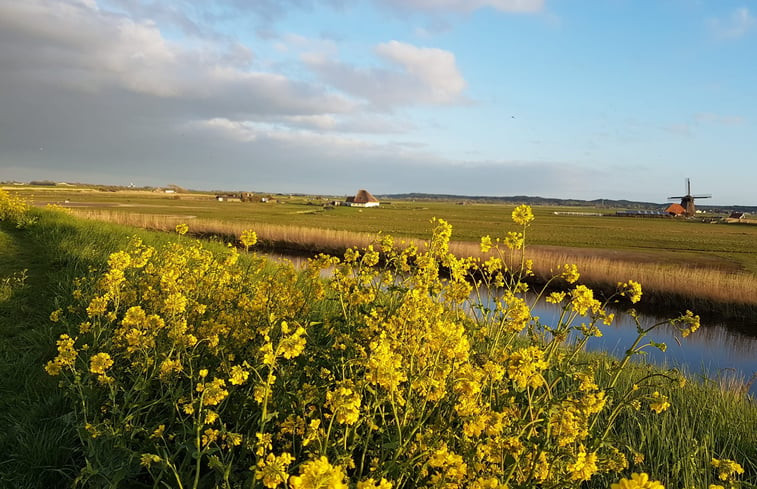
<point>363,198</point>
<point>675,210</point>
<point>228,198</point>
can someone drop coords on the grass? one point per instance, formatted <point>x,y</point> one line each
<point>673,241</point>
<point>39,440</point>
<point>704,421</point>
<point>38,437</point>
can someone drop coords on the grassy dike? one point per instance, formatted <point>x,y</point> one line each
<point>39,440</point>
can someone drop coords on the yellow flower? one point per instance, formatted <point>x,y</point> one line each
<point>727,469</point>
<point>319,474</point>
<point>55,315</point>
<point>248,238</point>
<point>659,402</point>
<point>99,363</point>
<point>158,432</point>
<point>209,436</point>
<point>486,245</point>
<point>119,260</point>
<point>182,229</point>
<point>291,346</point>
<point>273,470</point>
<point>372,484</point>
<point>690,320</point>
<point>66,355</point>
<point>524,367</point>
<point>169,367</point>
<point>344,403</point>
<point>582,300</point>
<point>637,481</point>
<point>570,273</point>
<point>148,459</point>
<point>238,375</point>
<point>514,241</point>
<point>214,392</point>
<point>584,467</point>
<point>97,306</point>
<point>555,297</point>
<point>522,215</point>
<point>630,289</point>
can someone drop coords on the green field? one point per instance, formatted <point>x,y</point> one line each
<point>728,247</point>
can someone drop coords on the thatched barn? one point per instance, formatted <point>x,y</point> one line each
<point>362,198</point>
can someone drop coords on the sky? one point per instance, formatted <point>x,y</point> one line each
<point>613,99</point>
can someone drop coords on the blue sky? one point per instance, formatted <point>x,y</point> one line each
<point>569,99</point>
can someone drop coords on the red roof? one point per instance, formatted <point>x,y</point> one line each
<point>675,209</point>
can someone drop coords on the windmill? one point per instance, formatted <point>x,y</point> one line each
<point>687,201</point>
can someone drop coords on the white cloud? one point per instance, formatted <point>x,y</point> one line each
<point>737,25</point>
<point>60,45</point>
<point>417,75</point>
<point>434,68</point>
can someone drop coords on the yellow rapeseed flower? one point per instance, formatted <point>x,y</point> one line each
<point>659,402</point>
<point>727,469</point>
<point>570,273</point>
<point>637,481</point>
<point>238,375</point>
<point>148,459</point>
<point>248,238</point>
<point>523,215</point>
<point>182,229</point>
<point>486,244</point>
<point>99,363</point>
<point>630,289</point>
<point>582,300</point>
<point>373,484</point>
<point>319,474</point>
<point>344,402</point>
<point>584,466</point>
<point>55,315</point>
<point>273,470</point>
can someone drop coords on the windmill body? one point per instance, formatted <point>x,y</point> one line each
<point>687,201</point>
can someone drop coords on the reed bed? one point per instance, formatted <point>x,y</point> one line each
<point>692,284</point>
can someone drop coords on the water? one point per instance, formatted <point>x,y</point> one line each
<point>715,350</point>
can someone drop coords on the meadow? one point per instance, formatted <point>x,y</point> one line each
<point>173,362</point>
<point>683,263</point>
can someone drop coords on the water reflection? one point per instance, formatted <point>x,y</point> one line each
<point>714,350</point>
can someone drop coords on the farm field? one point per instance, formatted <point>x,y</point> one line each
<point>728,247</point>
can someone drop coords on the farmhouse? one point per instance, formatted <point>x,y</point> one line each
<point>675,210</point>
<point>228,198</point>
<point>363,198</point>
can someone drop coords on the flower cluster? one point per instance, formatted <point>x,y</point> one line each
<point>15,210</point>
<point>394,366</point>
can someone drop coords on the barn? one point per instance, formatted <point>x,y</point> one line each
<point>362,198</point>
